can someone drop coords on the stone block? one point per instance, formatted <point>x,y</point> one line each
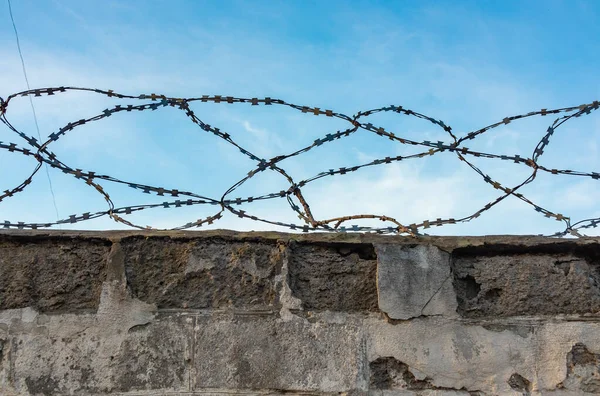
<point>260,352</point>
<point>526,284</point>
<point>4,359</point>
<point>436,354</point>
<point>334,277</point>
<point>78,354</point>
<point>154,356</point>
<point>414,280</point>
<point>568,357</point>
<point>209,273</point>
<point>52,275</point>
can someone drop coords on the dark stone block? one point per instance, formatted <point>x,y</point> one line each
<point>335,277</point>
<point>52,275</point>
<point>210,273</point>
<point>526,284</point>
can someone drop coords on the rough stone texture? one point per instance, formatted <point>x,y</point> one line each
<point>389,373</point>
<point>224,313</point>
<point>211,274</point>
<point>84,354</point>
<point>4,363</point>
<point>583,370</point>
<point>519,383</point>
<point>449,355</point>
<point>522,284</point>
<point>566,350</point>
<point>267,353</point>
<point>414,281</point>
<point>335,277</point>
<point>51,275</point>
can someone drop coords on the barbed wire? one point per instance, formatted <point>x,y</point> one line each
<point>297,202</point>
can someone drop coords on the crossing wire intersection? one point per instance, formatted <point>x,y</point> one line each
<point>40,152</point>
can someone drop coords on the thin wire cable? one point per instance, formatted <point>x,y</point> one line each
<point>153,102</point>
<point>37,127</point>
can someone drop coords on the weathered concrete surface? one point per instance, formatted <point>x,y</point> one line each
<point>414,280</point>
<point>207,274</point>
<point>52,275</point>
<point>333,277</point>
<point>251,313</point>
<point>269,353</point>
<point>543,284</point>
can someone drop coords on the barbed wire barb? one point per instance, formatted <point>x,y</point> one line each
<point>40,152</point>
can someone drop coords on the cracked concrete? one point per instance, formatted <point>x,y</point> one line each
<point>264,313</point>
<point>414,281</point>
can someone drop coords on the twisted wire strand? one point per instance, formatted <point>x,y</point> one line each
<point>227,203</point>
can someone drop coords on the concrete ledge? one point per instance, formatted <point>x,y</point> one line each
<point>253,313</point>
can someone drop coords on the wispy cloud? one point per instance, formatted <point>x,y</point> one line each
<point>406,59</point>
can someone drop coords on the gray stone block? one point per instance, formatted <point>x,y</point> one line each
<point>413,281</point>
<point>79,354</point>
<point>439,354</point>
<point>154,356</point>
<point>267,353</point>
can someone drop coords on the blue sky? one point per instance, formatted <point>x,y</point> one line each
<point>469,63</point>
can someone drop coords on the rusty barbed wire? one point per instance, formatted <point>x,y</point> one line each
<point>41,153</point>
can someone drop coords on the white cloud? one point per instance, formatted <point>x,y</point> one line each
<point>386,71</point>
<point>265,143</point>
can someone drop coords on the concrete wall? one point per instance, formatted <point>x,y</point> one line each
<point>267,313</point>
